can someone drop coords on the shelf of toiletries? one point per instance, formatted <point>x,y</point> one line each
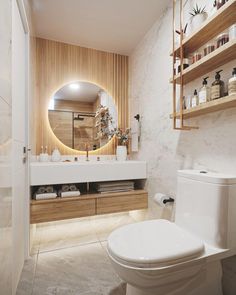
<point>221,20</point>
<point>200,66</point>
<point>210,98</point>
<point>221,104</point>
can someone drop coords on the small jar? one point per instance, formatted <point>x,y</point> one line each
<point>232,32</point>
<point>196,57</point>
<point>220,3</point>
<point>222,39</point>
<point>185,64</point>
<point>209,49</point>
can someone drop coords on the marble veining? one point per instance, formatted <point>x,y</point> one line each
<point>211,147</point>
<point>83,269</point>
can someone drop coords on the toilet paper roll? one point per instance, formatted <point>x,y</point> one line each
<point>159,199</point>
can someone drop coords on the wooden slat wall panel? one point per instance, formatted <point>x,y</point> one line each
<point>58,64</point>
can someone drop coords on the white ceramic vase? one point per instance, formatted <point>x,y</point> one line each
<point>56,156</point>
<point>121,153</point>
<point>196,22</point>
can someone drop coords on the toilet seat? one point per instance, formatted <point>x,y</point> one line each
<point>153,243</point>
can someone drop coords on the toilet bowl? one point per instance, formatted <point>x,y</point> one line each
<point>158,257</point>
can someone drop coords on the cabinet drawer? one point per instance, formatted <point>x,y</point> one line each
<point>59,210</point>
<point>122,203</point>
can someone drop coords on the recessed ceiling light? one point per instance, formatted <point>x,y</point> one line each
<point>74,86</point>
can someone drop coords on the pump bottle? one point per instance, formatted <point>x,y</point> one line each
<point>218,86</point>
<point>205,92</point>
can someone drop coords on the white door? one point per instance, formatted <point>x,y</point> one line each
<point>19,134</point>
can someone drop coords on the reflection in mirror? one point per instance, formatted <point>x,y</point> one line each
<point>82,113</point>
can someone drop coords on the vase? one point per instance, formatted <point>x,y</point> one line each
<point>196,22</point>
<point>56,156</point>
<point>121,153</point>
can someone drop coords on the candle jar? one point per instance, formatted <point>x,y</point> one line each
<point>196,57</point>
<point>220,3</point>
<point>209,49</point>
<point>222,39</point>
<point>185,65</point>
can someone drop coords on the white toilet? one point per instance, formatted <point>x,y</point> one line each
<point>158,257</point>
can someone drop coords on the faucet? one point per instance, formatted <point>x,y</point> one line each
<point>87,151</point>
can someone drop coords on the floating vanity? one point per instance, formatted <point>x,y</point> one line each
<point>89,203</point>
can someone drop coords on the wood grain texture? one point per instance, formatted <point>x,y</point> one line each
<point>214,25</point>
<point>52,211</point>
<point>57,64</point>
<point>212,61</point>
<point>125,202</point>
<point>87,205</point>
<point>74,106</point>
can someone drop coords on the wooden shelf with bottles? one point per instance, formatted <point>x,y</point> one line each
<point>212,61</point>
<point>213,26</point>
<point>220,104</point>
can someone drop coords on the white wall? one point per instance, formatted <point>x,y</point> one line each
<point>19,206</point>
<point>212,146</point>
<point>5,150</point>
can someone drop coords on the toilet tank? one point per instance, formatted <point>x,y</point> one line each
<point>206,206</point>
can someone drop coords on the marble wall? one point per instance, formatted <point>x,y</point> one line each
<point>211,147</point>
<point>5,150</point>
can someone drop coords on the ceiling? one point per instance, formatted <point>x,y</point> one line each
<point>87,92</point>
<point>109,25</point>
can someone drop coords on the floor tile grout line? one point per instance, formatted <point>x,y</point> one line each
<point>35,268</point>
<point>69,247</point>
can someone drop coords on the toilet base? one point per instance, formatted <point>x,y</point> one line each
<point>206,283</point>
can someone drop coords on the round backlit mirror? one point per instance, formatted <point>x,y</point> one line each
<point>81,115</point>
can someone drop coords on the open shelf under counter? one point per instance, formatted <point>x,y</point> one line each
<point>87,205</point>
<point>212,61</point>
<point>209,107</point>
<point>214,25</point>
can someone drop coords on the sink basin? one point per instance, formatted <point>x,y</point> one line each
<point>83,171</point>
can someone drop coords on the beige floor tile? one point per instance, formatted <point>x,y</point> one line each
<point>77,270</point>
<point>63,234</point>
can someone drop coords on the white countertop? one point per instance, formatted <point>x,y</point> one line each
<point>43,173</point>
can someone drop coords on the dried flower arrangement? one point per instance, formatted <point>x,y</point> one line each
<point>122,136</point>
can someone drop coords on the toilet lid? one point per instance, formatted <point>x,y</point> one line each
<point>154,242</point>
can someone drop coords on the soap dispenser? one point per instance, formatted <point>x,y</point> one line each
<point>194,100</point>
<point>232,83</point>
<point>217,88</point>
<point>205,92</point>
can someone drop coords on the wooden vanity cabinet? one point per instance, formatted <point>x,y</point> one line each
<point>87,205</point>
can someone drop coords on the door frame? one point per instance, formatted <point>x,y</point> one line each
<point>26,27</point>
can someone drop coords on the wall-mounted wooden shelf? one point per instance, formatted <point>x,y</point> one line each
<point>86,205</point>
<point>209,107</point>
<point>214,25</point>
<point>212,61</point>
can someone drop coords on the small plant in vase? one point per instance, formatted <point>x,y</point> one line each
<point>123,139</point>
<point>198,16</point>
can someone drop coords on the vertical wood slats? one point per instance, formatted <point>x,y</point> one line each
<point>58,64</point>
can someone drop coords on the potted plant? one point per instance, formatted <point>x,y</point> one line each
<point>198,16</point>
<point>123,138</point>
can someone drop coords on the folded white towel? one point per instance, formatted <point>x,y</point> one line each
<point>69,194</point>
<point>45,196</point>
